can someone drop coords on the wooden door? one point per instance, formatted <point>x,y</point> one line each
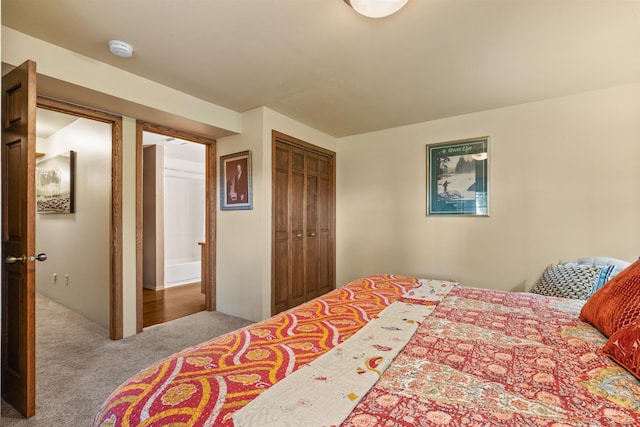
<point>303,247</point>
<point>18,238</point>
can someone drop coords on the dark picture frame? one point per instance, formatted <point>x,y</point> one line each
<point>55,184</point>
<point>458,177</point>
<point>235,182</point>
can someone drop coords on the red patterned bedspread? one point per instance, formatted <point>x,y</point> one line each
<point>490,358</point>
<point>205,384</point>
<point>482,358</point>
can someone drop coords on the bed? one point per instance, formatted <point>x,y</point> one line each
<point>396,351</point>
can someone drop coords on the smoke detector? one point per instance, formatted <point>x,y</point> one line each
<point>120,48</point>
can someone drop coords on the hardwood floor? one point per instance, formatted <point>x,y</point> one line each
<point>171,303</point>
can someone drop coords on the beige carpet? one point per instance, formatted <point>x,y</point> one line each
<point>77,366</point>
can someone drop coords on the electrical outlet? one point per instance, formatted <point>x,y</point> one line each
<point>55,278</point>
<point>66,279</point>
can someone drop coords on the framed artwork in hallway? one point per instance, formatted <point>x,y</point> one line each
<point>55,184</point>
<point>235,181</point>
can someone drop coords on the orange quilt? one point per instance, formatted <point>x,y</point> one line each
<point>205,384</point>
<point>482,357</point>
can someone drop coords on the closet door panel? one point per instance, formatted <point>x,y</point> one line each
<point>311,211</point>
<point>325,220</point>
<point>281,276</point>
<point>281,236</point>
<point>296,215</point>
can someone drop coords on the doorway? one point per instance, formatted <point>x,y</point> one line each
<point>115,227</point>
<point>73,200</point>
<point>173,194</point>
<point>19,237</point>
<point>175,224</point>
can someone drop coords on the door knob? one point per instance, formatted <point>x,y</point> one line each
<point>23,258</point>
<point>13,259</point>
<point>39,257</point>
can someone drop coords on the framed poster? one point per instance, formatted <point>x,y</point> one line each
<point>235,182</point>
<point>458,177</point>
<point>55,184</point>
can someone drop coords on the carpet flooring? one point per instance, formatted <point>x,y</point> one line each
<point>77,366</point>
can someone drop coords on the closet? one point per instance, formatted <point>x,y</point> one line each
<point>303,230</point>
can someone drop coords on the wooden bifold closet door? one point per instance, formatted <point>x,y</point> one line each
<point>303,241</point>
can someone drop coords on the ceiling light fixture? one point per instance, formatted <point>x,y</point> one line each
<point>376,8</point>
<point>120,48</point>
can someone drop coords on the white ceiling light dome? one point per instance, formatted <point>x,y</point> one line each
<point>376,8</point>
<point>120,48</point>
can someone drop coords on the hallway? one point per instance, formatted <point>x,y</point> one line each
<point>171,303</point>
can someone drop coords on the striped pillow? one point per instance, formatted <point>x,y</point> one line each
<point>572,280</point>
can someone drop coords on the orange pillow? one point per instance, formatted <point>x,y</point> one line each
<point>624,347</point>
<point>617,303</point>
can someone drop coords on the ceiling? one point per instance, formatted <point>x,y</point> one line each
<point>49,122</point>
<point>320,63</point>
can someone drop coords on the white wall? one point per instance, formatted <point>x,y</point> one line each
<point>184,217</point>
<point>563,184</point>
<point>78,244</point>
<point>244,237</point>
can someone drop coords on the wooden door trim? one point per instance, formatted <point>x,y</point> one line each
<point>209,248</point>
<point>295,142</point>
<point>116,328</point>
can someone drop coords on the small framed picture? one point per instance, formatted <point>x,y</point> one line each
<point>55,184</point>
<point>235,182</point>
<point>458,177</point>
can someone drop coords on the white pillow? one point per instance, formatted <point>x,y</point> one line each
<point>618,264</point>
